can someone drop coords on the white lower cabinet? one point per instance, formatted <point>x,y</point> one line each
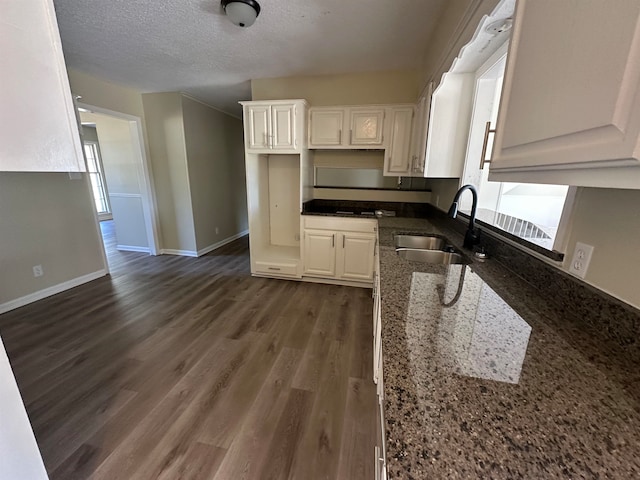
<point>340,249</point>
<point>355,257</point>
<point>320,253</point>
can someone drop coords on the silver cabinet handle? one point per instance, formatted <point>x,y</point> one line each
<point>342,241</point>
<point>340,136</point>
<point>333,240</point>
<point>350,136</point>
<point>485,144</point>
<point>274,268</point>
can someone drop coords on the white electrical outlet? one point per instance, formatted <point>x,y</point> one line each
<point>580,261</point>
<point>37,271</point>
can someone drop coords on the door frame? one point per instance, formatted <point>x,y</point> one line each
<point>149,206</point>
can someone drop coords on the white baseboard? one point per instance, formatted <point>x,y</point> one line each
<point>204,251</point>
<point>183,253</point>
<point>133,248</point>
<point>49,291</point>
<point>222,243</point>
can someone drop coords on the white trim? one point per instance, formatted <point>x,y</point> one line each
<point>221,243</point>
<point>132,248</point>
<point>126,195</point>
<point>148,196</point>
<point>53,290</point>
<point>204,251</point>
<point>183,253</point>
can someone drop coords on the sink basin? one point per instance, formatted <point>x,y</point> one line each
<point>432,256</point>
<point>425,242</point>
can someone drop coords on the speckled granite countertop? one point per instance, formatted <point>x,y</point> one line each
<point>484,379</point>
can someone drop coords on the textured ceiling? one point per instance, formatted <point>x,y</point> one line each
<point>189,45</point>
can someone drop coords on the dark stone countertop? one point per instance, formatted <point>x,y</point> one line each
<point>498,383</point>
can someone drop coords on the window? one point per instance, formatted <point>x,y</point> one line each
<point>94,169</point>
<point>528,211</point>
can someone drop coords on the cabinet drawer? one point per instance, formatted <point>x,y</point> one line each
<point>363,225</point>
<point>273,268</point>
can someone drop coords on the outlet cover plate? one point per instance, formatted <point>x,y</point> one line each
<point>580,260</point>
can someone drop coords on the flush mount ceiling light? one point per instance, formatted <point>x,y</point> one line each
<point>241,12</point>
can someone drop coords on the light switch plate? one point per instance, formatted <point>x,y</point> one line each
<point>581,258</point>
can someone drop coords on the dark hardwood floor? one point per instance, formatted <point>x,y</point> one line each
<point>189,368</point>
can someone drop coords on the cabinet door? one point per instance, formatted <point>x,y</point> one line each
<point>325,127</point>
<point>258,126</point>
<point>570,98</point>
<point>419,136</point>
<point>397,157</point>
<point>320,253</point>
<point>355,256</point>
<point>283,130</point>
<point>366,126</point>
<point>377,325</point>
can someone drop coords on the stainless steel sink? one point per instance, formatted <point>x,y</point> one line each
<point>425,242</point>
<point>432,256</point>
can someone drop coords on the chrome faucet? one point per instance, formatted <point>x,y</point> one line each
<point>472,237</point>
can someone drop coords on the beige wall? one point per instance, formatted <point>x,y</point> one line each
<point>45,219</point>
<point>167,150</point>
<point>345,89</point>
<point>609,219</point>
<point>442,191</point>
<point>215,156</point>
<point>99,93</point>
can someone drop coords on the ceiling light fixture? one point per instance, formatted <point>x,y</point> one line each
<point>241,12</point>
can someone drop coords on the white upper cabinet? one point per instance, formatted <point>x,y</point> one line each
<point>450,114</point>
<point>419,135</point>
<point>397,159</point>
<point>346,127</point>
<point>570,108</point>
<point>257,126</point>
<point>39,124</point>
<point>366,126</point>
<point>326,126</point>
<point>274,126</point>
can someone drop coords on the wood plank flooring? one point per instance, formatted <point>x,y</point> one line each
<point>189,368</point>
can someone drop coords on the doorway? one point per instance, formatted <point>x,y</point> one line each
<point>120,179</point>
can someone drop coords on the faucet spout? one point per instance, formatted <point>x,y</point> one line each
<point>472,237</point>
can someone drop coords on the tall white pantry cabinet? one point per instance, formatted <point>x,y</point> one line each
<point>279,168</point>
<point>279,180</point>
